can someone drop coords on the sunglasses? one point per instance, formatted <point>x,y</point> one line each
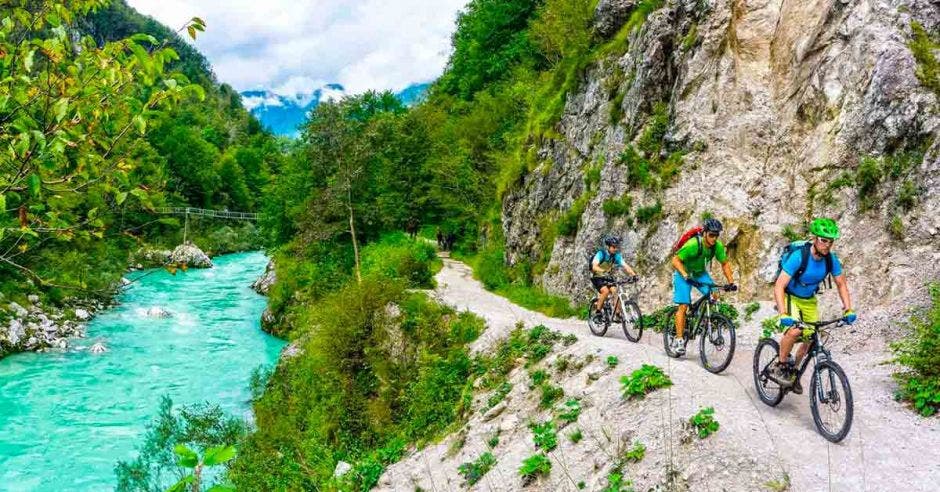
<point>825,240</point>
<point>712,234</point>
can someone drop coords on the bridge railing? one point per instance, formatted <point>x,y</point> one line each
<point>221,214</point>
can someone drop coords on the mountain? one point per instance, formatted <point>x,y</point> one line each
<point>283,114</point>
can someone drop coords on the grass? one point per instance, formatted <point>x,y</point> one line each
<point>616,207</point>
<point>648,214</point>
<point>550,395</point>
<point>576,436</point>
<point>923,49</point>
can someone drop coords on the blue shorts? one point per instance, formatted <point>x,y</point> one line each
<point>682,290</point>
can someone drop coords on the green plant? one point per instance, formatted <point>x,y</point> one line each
<point>616,483</point>
<point>567,224</point>
<point>781,484</point>
<point>646,215</point>
<point>728,310</point>
<point>643,381</point>
<point>493,440</point>
<point>896,227</point>
<point>570,411</point>
<point>924,49</point>
<point>533,467</point>
<point>704,423</point>
<point>569,339</point>
<point>907,195</point>
<point>919,353</point>
<point>616,207</point>
<point>576,436</point>
<point>867,177</point>
<point>189,459</point>
<point>769,326</point>
<point>750,309</point>
<point>538,377</point>
<point>497,396</point>
<point>658,320</point>
<point>636,453</point>
<point>473,471</point>
<point>550,394</point>
<point>544,435</point>
<point>790,233</point>
<point>688,41</point>
<point>612,361</point>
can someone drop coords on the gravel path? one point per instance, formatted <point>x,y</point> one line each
<point>888,448</point>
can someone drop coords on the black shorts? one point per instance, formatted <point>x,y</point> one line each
<point>599,282</point>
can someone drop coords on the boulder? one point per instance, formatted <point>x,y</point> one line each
<point>263,284</point>
<point>189,254</point>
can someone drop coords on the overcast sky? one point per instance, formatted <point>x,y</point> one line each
<point>292,46</point>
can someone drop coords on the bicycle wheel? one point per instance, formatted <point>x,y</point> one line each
<point>716,346</point>
<point>768,390</point>
<point>830,399</point>
<point>669,334</point>
<point>632,321</point>
<point>598,328</point>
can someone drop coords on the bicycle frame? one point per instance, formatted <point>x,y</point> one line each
<point>817,353</point>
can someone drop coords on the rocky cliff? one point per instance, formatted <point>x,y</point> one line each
<point>761,113</point>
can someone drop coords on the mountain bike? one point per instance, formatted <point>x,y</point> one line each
<point>622,310</point>
<point>830,397</point>
<point>717,332</point>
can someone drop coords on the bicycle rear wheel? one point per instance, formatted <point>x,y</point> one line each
<point>598,328</point>
<point>716,347</point>
<point>669,334</point>
<point>768,390</point>
<point>830,399</point>
<point>631,321</point>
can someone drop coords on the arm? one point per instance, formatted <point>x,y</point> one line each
<point>596,267</point>
<point>726,269</point>
<point>630,271</point>
<point>843,288</point>
<point>780,292</point>
<point>677,264</point>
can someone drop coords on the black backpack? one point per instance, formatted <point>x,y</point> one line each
<point>804,249</point>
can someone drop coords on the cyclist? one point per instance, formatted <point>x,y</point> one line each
<point>691,264</point>
<point>795,294</point>
<point>602,265</point>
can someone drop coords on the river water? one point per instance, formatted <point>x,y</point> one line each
<point>67,418</point>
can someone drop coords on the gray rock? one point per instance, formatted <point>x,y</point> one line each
<point>263,284</point>
<point>18,310</point>
<point>98,348</point>
<point>610,15</point>
<point>342,468</point>
<point>33,298</point>
<point>189,254</point>
<point>82,314</point>
<point>158,312</point>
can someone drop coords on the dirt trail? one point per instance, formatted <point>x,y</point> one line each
<point>888,448</point>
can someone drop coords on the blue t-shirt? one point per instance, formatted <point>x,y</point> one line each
<point>606,261</point>
<point>815,273</point>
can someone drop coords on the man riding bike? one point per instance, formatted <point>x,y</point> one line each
<point>795,293</point>
<point>602,265</point>
<point>691,264</point>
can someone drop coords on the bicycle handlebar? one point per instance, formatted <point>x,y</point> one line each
<point>629,280</point>
<point>821,324</point>
<point>724,287</point>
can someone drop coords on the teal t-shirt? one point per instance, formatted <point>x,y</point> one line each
<point>696,263</point>
<point>814,275</point>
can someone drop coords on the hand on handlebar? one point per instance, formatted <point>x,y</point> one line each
<point>731,287</point>
<point>849,317</point>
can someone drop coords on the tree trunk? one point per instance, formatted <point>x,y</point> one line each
<point>352,231</point>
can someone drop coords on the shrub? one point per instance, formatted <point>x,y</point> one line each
<point>570,411</point>
<point>533,467</point>
<point>397,256</point>
<point>658,320</point>
<point>538,377</point>
<point>493,441</point>
<point>750,309</point>
<point>550,394</point>
<point>907,195</point>
<point>924,49</point>
<point>643,381</point>
<point>617,206</point>
<point>867,177</point>
<point>568,222</point>
<point>919,352</point>
<point>544,435</point>
<point>704,423</point>
<point>645,215</point>
<point>473,471</point>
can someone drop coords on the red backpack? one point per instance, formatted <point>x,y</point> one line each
<point>695,232</point>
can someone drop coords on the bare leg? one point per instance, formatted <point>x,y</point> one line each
<point>680,319</point>
<point>786,343</point>
<point>601,298</point>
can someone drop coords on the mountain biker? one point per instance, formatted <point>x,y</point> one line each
<point>602,265</point>
<point>798,296</point>
<point>691,264</point>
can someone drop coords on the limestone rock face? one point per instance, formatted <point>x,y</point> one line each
<point>191,255</point>
<point>265,281</point>
<point>771,103</point>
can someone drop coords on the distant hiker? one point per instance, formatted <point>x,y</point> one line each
<point>449,241</point>
<point>440,239</point>
<point>412,228</point>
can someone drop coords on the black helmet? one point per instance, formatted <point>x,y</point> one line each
<point>612,241</point>
<point>712,225</point>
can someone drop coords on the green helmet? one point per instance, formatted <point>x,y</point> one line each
<point>824,227</point>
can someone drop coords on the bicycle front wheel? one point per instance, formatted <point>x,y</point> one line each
<point>830,399</point>
<point>669,333</point>
<point>768,390</point>
<point>716,346</point>
<point>632,321</point>
<point>596,321</point>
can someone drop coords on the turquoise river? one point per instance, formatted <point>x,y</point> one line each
<point>66,418</point>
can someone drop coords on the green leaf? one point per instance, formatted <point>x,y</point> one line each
<point>120,197</point>
<point>222,488</point>
<point>181,485</point>
<point>192,31</point>
<point>61,108</point>
<point>187,457</point>
<point>3,203</point>
<point>33,183</point>
<point>28,60</point>
<point>141,124</point>
<point>219,455</point>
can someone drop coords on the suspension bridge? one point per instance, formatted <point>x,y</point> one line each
<point>203,212</point>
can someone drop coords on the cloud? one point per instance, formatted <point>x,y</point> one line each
<point>296,46</point>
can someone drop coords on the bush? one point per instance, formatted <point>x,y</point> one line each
<point>924,49</point>
<point>919,352</point>
<point>544,435</point>
<point>550,394</point>
<point>643,381</point>
<point>646,215</point>
<point>658,320</point>
<point>397,256</point>
<point>473,471</point>
<point>538,377</point>
<point>533,467</point>
<point>497,396</point>
<point>617,206</point>
<point>568,222</point>
<point>704,423</point>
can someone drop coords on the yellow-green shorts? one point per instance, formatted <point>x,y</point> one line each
<point>804,309</point>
